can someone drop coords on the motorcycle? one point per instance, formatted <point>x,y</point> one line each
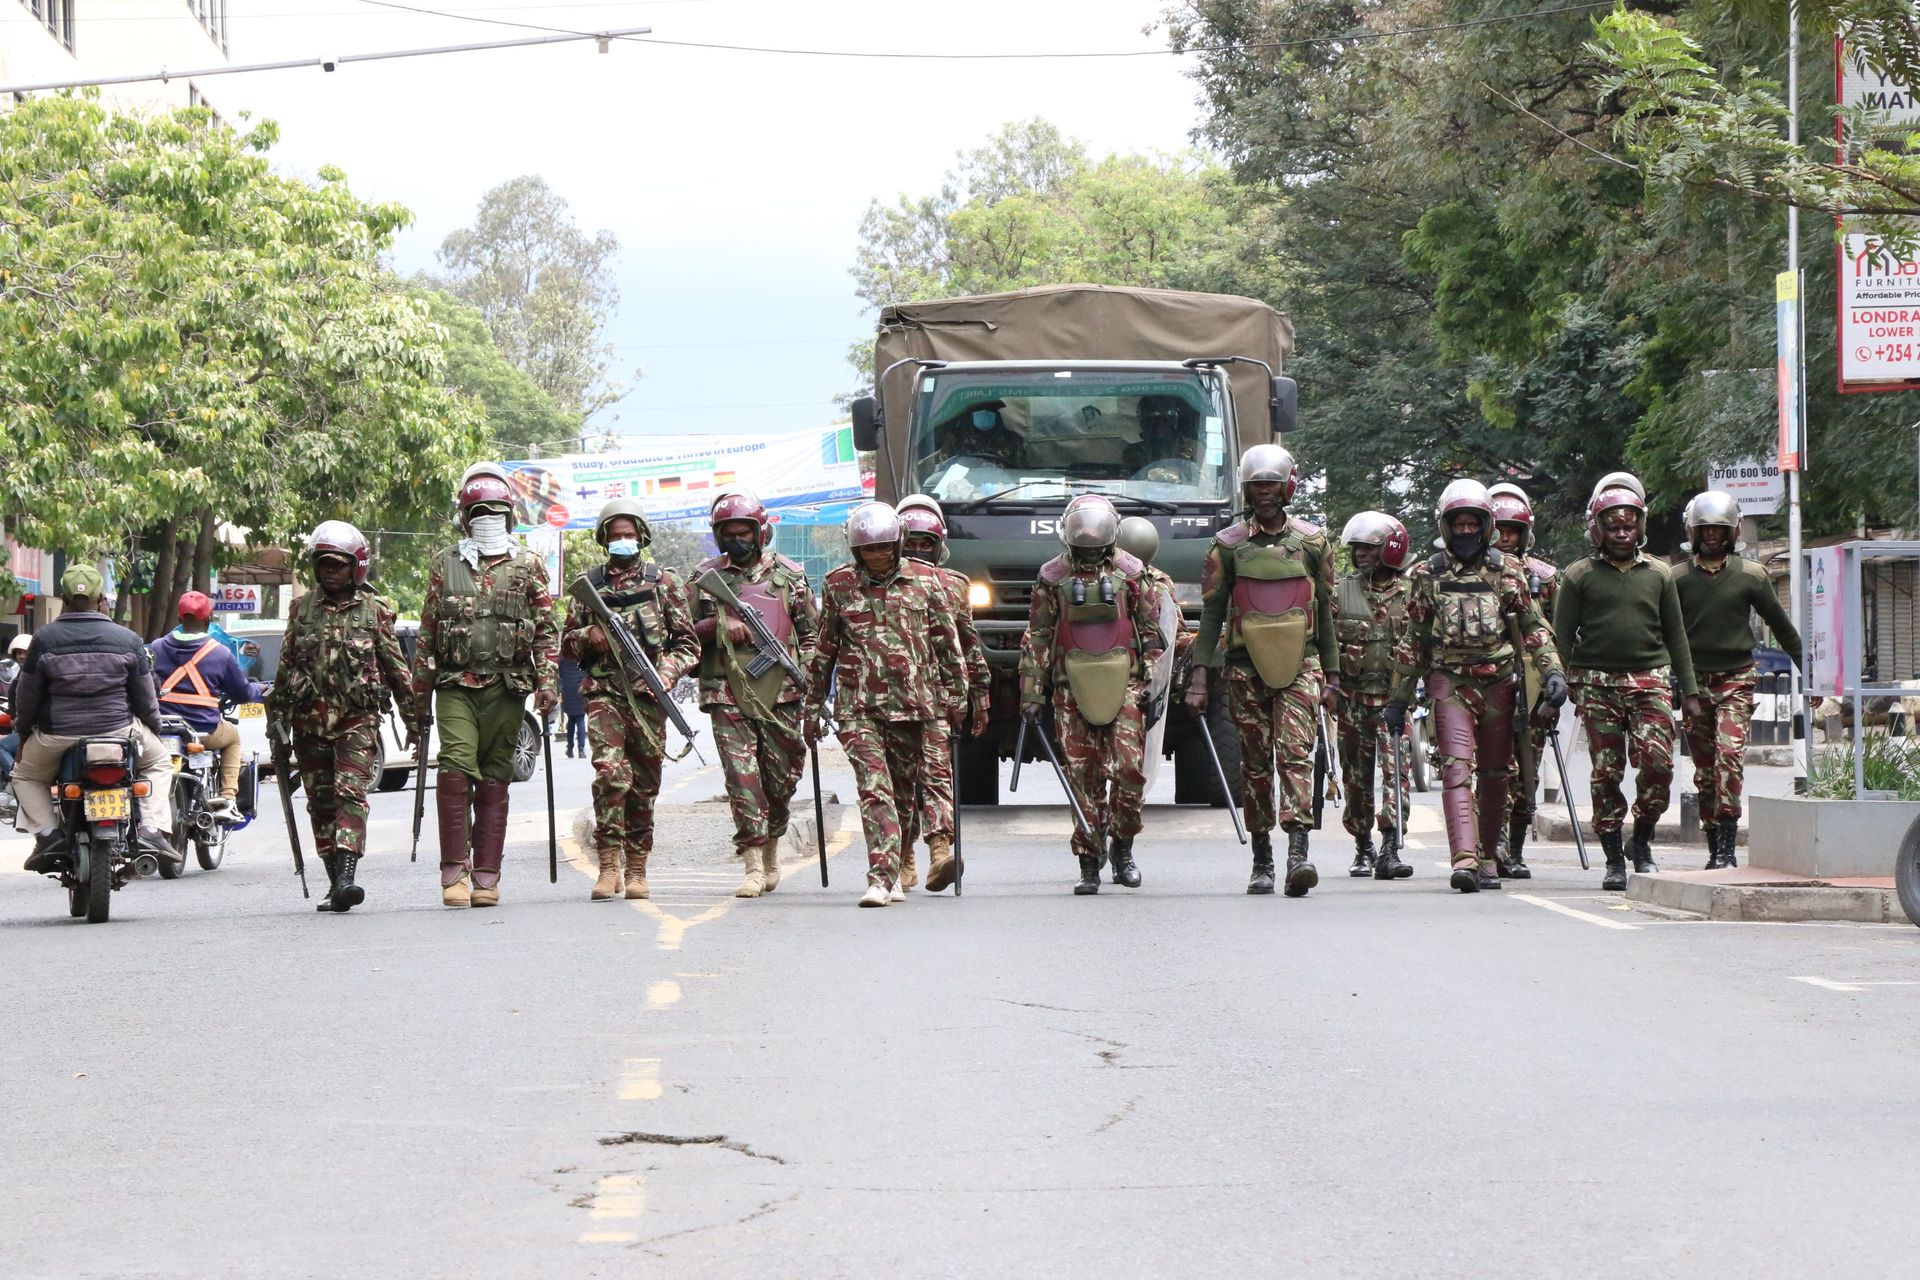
<point>97,799</point>
<point>195,783</point>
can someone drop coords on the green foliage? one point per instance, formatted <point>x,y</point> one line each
<point>1887,764</point>
<point>518,412</point>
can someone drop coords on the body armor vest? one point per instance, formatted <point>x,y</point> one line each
<point>335,656</point>
<point>1371,670</point>
<point>770,596</point>
<point>1468,627</point>
<point>1273,614</point>
<point>491,634</point>
<point>637,605</point>
<point>1094,633</point>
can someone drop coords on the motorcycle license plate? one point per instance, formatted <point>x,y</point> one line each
<point>107,806</point>
<point>250,711</point>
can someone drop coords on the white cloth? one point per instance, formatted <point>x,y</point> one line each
<point>486,536</point>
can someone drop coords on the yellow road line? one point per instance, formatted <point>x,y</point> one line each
<point>640,1081</point>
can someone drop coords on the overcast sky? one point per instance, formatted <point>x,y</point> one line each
<point>734,181</point>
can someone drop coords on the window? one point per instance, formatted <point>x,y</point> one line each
<point>57,14</point>
<point>213,16</point>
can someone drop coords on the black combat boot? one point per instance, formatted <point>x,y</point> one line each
<point>346,894</point>
<point>1262,881</point>
<point>1729,840</point>
<point>1715,859</point>
<point>1616,877</point>
<point>1514,865</point>
<point>1641,850</point>
<point>1388,865</point>
<point>1301,875</point>
<point>1489,873</point>
<point>1089,877</point>
<point>1465,877</point>
<point>1362,856</point>
<point>332,863</point>
<point>1120,855</point>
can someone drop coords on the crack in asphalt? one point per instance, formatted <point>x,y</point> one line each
<point>687,1140</point>
<point>761,1212</point>
<point>1117,1116</point>
<point>1030,1004</point>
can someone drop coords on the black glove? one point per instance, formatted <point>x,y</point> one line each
<point>1030,712</point>
<point>1555,690</point>
<point>1394,716</point>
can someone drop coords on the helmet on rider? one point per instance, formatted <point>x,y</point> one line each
<point>1089,523</point>
<point>1512,506</point>
<point>1267,462</point>
<point>1378,529</point>
<point>338,538</point>
<point>613,510</point>
<point>1138,538</point>
<point>739,504</point>
<point>1709,509</point>
<point>1613,498</point>
<point>19,644</point>
<point>924,526</point>
<point>484,491</point>
<point>196,606</point>
<point>1463,495</point>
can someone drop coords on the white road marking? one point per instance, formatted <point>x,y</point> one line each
<point>663,993</point>
<point>1825,983</point>
<point>1587,916</point>
<point>617,1196</point>
<point>640,1082</point>
<point>1860,985</point>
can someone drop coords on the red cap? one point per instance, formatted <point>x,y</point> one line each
<point>196,606</point>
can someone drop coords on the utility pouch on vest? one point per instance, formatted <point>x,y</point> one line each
<point>1098,682</point>
<point>1277,642</point>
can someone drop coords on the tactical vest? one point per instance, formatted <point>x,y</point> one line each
<point>1370,670</point>
<point>638,607</point>
<point>1469,628</point>
<point>1273,609</point>
<point>335,656</point>
<point>772,596</point>
<point>1094,633</point>
<point>491,634</point>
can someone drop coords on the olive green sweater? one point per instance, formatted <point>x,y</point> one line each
<point>1715,603</point>
<point>1607,618</point>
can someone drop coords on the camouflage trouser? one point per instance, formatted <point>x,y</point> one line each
<point>626,771</point>
<point>336,773</point>
<point>1520,802</point>
<point>935,815</point>
<point>1103,764</point>
<point>886,758</point>
<point>1629,717</point>
<point>1276,724</point>
<point>1473,732</point>
<point>763,760</point>
<point>1718,741</point>
<point>1363,740</point>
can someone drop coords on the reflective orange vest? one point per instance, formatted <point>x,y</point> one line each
<point>189,670</point>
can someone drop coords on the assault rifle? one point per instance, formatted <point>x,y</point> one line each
<point>631,660</point>
<point>768,651</point>
<point>279,742</point>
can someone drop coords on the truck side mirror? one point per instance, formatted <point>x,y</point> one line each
<point>866,424</point>
<point>1283,406</point>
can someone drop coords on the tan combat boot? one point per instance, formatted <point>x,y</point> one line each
<point>770,863</point>
<point>755,882</point>
<point>637,873</point>
<point>909,873</point>
<point>608,885</point>
<point>940,859</point>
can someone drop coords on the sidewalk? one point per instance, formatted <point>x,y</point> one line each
<point>1756,893</point>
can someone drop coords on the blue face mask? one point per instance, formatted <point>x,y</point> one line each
<point>624,548</point>
<point>983,419</point>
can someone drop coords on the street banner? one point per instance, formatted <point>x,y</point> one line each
<point>1789,371</point>
<point>677,477</point>
<point>1878,342</point>
<point>1826,622</point>
<point>237,598</point>
<point>1756,482</point>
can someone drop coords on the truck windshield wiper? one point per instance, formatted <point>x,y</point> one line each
<point>1151,504</point>
<point>974,504</point>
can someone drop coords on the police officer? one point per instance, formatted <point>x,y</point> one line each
<point>1719,592</point>
<point>339,662</point>
<point>1267,622</point>
<point>889,649</point>
<point>1093,636</point>
<point>626,727</point>
<point>925,526</point>
<point>1370,607</point>
<point>756,719</point>
<point>1470,618</point>
<point>1618,621</point>
<point>487,640</point>
<point>1513,535</point>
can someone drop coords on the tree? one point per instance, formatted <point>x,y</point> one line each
<point>545,289</point>
<point>519,414</point>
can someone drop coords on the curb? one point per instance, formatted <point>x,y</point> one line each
<point>1784,902</point>
<point>1550,823</point>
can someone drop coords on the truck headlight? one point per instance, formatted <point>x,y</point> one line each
<point>979,595</point>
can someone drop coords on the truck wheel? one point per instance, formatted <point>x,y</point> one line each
<point>979,780</point>
<point>1194,779</point>
<point>1906,873</point>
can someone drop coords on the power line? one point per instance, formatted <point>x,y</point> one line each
<point>171,17</point>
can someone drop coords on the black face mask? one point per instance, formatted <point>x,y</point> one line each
<point>1466,547</point>
<point>739,550</point>
<point>925,555</point>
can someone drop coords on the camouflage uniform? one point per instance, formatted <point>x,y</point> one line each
<point>1103,762</point>
<point>1368,619</point>
<point>1541,583</point>
<point>487,641</point>
<point>627,736</point>
<point>891,650</point>
<point>935,819</point>
<point>1459,637</point>
<point>756,724</point>
<point>339,662</point>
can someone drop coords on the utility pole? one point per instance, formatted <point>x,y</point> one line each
<point>1796,572</point>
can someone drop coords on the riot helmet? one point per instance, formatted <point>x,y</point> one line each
<point>338,538</point>
<point>1138,538</point>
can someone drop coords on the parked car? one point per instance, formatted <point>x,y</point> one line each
<point>396,763</point>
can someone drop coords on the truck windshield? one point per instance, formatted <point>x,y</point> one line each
<point>1154,435</point>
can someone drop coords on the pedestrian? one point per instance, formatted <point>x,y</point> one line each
<point>1370,611</point>
<point>1267,621</point>
<point>755,715</point>
<point>626,725</point>
<point>1618,622</point>
<point>197,675</point>
<point>1719,592</point>
<point>1471,624</point>
<point>1513,537</point>
<point>339,662</point>
<point>487,640</point>
<point>1093,637</point>
<point>925,526</point>
<point>890,652</point>
<point>573,705</point>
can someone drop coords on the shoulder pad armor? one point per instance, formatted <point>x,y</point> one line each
<point>791,566</point>
<point>1234,534</point>
<point>1127,563</point>
<point>712,562</point>
<point>1305,528</point>
<point>1055,570</point>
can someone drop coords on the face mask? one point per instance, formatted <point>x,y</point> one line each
<point>983,419</point>
<point>923,554</point>
<point>738,550</point>
<point>624,548</point>
<point>489,533</point>
<point>1089,555</point>
<point>1466,547</point>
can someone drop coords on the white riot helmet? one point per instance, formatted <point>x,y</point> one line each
<point>1619,480</point>
<point>873,524</point>
<point>1464,495</point>
<point>1268,462</point>
<point>1089,523</point>
<point>1711,508</point>
<point>1378,529</point>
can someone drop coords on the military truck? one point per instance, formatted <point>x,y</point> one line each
<point>1006,405</point>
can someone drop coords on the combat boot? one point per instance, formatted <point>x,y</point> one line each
<point>1489,874</point>
<point>909,869</point>
<point>1616,877</point>
<point>1641,850</point>
<point>332,864</point>
<point>1465,877</point>
<point>1125,874</point>
<point>346,894</point>
<point>608,885</point>
<point>940,864</point>
<point>1514,865</point>
<point>755,882</point>
<point>637,873</point>
<point>489,840</point>
<point>1729,841</point>
<point>1301,875</point>
<point>452,793</point>
<point>1362,856</point>
<point>1388,865</point>
<point>1712,832</point>
<point>1089,877</point>
<point>770,864</point>
<point>1262,880</point>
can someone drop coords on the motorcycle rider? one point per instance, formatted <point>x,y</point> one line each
<point>196,675</point>
<point>1468,610</point>
<point>1268,586</point>
<point>1513,535</point>
<point>487,640</point>
<point>1370,610</point>
<point>87,677</point>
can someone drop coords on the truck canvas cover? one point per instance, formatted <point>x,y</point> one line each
<point>1088,322</point>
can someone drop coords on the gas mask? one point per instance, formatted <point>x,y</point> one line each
<point>1467,547</point>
